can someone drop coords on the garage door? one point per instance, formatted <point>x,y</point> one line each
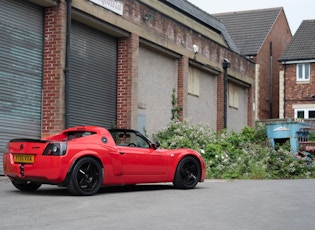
<point>21,47</point>
<point>92,80</point>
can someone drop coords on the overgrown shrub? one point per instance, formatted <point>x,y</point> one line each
<point>235,155</point>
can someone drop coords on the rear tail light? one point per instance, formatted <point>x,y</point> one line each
<point>56,149</point>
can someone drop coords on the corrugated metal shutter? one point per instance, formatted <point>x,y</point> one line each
<point>92,80</point>
<point>21,47</point>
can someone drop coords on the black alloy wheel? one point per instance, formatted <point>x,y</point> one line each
<point>86,177</point>
<point>187,174</point>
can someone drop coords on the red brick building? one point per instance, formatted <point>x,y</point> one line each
<point>116,63</point>
<point>297,76</point>
<point>261,35</point>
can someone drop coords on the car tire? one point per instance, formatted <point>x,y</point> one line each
<point>86,177</point>
<point>25,185</point>
<point>187,173</point>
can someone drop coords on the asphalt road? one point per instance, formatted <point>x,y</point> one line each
<point>268,204</point>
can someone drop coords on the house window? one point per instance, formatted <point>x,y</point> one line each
<point>300,114</point>
<point>233,96</point>
<point>304,113</point>
<point>303,72</point>
<point>311,114</point>
<point>193,82</point>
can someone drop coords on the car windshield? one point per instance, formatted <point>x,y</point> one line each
<point>129,138</point>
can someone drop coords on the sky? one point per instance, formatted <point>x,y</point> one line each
<point>295,10</point>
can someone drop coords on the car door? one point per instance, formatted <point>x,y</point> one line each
<point>142,161</point>
<point>139,158</point>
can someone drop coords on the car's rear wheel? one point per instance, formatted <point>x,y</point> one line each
<point>25,185</point>
<point>86,177</point>
<point>187,174</point>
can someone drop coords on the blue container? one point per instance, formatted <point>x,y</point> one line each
<point>278,132</point>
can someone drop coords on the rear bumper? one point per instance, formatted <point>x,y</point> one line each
<point>45,169</point>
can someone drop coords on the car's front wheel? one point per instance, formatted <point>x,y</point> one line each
<point>86,177</point>
<point>187,173</point>
<point>25,185</point>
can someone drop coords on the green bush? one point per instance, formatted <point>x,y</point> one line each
<point>236,155</point>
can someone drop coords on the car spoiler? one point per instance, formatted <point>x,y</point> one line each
<point>28,140</point>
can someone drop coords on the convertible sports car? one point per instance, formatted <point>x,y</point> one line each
<point>84,158</point>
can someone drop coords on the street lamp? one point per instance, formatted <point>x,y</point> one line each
<point>225,64</point>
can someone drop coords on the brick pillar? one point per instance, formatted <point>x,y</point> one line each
<point>53,65</point>
<point>250,114</point>
<point>293,92</point>
<point>127,82</point>
<point>220,101</point>
<point>182,87</point>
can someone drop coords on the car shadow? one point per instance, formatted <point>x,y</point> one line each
<point>53,190</point>
<point>135,188</point>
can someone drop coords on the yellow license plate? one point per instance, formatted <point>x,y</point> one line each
<point>23,158</point>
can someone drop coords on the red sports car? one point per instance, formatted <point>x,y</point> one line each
<point>84,158</point>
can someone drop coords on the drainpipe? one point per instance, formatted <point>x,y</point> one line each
<point>225,64</point>
<point>270,96</point>
<point>66,70</point>
<point>284,91</point>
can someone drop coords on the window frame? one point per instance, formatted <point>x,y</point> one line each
<point>193,82</point>
<point>305,111</point>
<point>301,70</point>
<point>233,95</point>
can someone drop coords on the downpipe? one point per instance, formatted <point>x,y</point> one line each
<point>66,70</point>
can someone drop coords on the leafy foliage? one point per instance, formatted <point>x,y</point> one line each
<point>175,109</point>
<point>236,155</point>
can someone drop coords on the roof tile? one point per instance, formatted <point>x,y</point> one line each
<point>302,45</point>
<point>249,29</point>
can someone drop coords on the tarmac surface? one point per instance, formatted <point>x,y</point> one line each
<point>214,204</point>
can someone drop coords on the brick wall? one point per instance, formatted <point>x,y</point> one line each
<point>128,51</point>
<point>53,118</point>
<point>280,37</point>
<point>182,85</point>
<point>220,101</point>
<point>168,32</point>
<point>297,93</point>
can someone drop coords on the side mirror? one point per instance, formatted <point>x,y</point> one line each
<point>156,145</point>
